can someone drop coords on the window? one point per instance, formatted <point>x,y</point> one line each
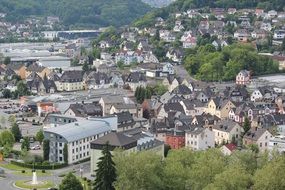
<point>60,151</point>
<point>72,143</point>
<point>60,144</point>
<point>60,158</point>
<point>260,145</point>
<point>72,151</point>
<point>265,144</point>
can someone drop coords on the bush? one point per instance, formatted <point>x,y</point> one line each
<point>46,163</point>
<point>43,171</point>
<point>23,171</point>
<point>61,175</point>
<point>40,166</point>
<point>84,179</point>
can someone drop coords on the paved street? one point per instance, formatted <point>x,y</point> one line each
<point>7,182</point>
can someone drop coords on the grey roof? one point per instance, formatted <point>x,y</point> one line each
<point>79,130</point>
<point>254,133</point>
<point>225,125</point>
<point>116,140</point>
<point>124,117</point>
<point>136,77</point>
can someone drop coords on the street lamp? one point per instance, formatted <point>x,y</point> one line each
<point>81,171</point>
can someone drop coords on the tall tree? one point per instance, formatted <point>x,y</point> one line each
<point>7,60</point>
<point>16,132</point>
<point>46,149</point>
<point>65,153</point>
<point>70,182</point>
<point>246,125</point>
<point>283,44</point>
<point>106,172</point>
<point>25,144</point>
<point>7,138</point>
<point>40,136</point>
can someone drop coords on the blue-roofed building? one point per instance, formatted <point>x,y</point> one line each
<point>77,135</point>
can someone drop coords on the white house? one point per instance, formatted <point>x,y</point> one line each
<point>200,139</point>
<point>258,136</point>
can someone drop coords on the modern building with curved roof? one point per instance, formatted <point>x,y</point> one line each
<point>77,136</point>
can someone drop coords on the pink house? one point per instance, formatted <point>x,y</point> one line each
<point>243,77</point>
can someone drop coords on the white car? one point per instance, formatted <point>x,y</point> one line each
<point>37,147</point>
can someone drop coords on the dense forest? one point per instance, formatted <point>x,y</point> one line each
<point>94,13</point>
<point>184,5</point>
<point>208,170</point>
<point>207,63</point>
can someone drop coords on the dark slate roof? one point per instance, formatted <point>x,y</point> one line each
<point>124,117</point>
<point>10,72</point>
<point>191,103</point>
<point>173,107</point>
<point>97,77</point>
<point>225,125</point>
<point>72,76</point>
<point>182,89</point>
<point>136,77</point>
<point>15,66</point>
<point>54,76</point>
<point>35,68</point>
<point>115,140</point>
<point>254,133</point>
<point>86,109</point>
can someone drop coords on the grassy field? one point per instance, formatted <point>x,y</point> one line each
<point>12,167</point>
<point>28,172</point>
<point>85,184</point>
<point>23,184</point>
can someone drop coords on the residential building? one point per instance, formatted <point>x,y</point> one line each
<point>227,131</point>
<point>258,136</point>
<point>199,138</point>
<point>243,77</point>
<point>71,81</point>
<point>129,141</point>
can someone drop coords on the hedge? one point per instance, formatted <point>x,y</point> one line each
<point>39,167</point>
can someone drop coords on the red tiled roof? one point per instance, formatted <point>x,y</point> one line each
<point>231,146</point>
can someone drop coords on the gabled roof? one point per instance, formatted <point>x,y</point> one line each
<point>254,133</point>
<point>15,66</point>
<point>182,89</point>
<point>231,147</point>
<point>115,140</point>
<point>225,125</point>
<point>136,77</point>
<point>35,68</point>
<point>124,117</point>
<point>72,76</point>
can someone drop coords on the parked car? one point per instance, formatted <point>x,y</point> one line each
<point>37,147</point>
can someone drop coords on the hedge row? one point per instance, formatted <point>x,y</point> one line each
<point>39,167</point>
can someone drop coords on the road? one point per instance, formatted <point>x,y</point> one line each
<point>7,182</point>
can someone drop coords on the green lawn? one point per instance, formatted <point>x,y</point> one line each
<point>86,186</point>
<point>22,184</point>
<point>28,172</point>
<point>12,167</point>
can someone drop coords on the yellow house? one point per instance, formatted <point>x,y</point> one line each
<point>19,69</point>
<point>41,71</point>
<point>219,107</point>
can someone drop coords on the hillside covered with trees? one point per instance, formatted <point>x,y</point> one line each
<point>92,13</point>
<point>184,5</point>
<point>207,63</point>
